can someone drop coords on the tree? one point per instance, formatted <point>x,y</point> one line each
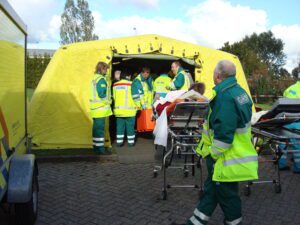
<point>258,52</point>
<point>77,23</point>
<point>268,48</point>
<point>36,66</point>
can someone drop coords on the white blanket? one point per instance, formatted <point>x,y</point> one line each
<point>161,129</point>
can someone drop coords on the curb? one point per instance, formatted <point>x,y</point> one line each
<point>77,158</point>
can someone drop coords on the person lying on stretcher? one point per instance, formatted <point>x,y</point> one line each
<point>195,93</point>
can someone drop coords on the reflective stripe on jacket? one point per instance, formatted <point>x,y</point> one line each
<point>100,107</point>
<point>124,105</point>
<point>227,134</point>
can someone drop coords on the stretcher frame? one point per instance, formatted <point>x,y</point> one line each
<point>274,134</point>
<point>184,133</point>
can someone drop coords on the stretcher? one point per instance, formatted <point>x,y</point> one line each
<point>184,133</point>
<point>275,137</point>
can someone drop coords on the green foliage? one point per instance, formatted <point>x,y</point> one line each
<point>258,52</point>
<point>36,66</point>
<point>268,48</point>
<point>77,23</point>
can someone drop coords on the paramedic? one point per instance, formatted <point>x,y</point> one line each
<point>226,145</point>
<point>160,85</point>
<point>181,81</point>
<point>124,109</point>
<point>100,101</point>
<point>292,92</point>
<point>142,89</point>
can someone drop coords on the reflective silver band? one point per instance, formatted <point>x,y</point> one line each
<point>102,108</point>
<point>98,144</point>
<point>194,221</point>
<point>221,144</point>
<point>234,222</point>
<point>201,215</point>
<point>231,162</point>
<point>132,136</point>
<point>124,107</point>
<point>98,139</point>
<point>244,129</point>
<point>204,131</point>
<point>216,151</point>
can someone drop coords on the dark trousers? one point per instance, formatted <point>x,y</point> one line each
<point>224,193</point>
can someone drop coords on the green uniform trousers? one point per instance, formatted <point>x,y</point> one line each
<point>125,123</point>
<point>224,193</point>
<point>98,134</point>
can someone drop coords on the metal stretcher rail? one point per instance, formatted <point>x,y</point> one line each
<point>276,137</point>
<point>184,133</point>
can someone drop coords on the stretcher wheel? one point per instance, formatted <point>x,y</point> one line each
<point>247,190</point>
<point>164,194</point>
<point>155,174</point>
<point>277,188</point>
<point>186,173</point>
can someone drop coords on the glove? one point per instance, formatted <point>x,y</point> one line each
<point>143,106</point>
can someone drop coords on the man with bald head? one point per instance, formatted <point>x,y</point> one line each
<point>226,145</point>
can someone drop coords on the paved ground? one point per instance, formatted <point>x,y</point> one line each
<point>112,193</point>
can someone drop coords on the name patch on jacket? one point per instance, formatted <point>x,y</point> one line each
<point>242,99</point>
<point>120,87</point>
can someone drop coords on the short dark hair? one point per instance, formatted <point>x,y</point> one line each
<point>145,69</point>
<point>99,66</point>
<point>124,74</point>
<point>198,87</point>
<point>177,63</point>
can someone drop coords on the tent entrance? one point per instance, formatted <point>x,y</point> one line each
<point>156,62</point>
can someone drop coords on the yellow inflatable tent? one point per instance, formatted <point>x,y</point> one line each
<point>59,110</point>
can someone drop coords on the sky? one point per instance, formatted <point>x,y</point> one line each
<point>208,23</point>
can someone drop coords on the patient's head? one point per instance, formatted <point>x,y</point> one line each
<point>198,87</point>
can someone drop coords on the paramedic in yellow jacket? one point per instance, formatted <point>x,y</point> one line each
<point>226,145</point>
<point>124,109</point>
<point>181,81</point>
<point>100,101</point>
<point>142,89</point>
<point>160,85</point>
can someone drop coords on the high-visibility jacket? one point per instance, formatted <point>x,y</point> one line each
<point>160,85</point>
<point>123,102</point>
<point>226,134</point>
<point>181,81</point>
<point>100,106</point>
<point>145,96</point>
<point>293,91</point>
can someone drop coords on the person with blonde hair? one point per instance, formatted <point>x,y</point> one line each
<point>100,101</point>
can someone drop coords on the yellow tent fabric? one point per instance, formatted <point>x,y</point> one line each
<point>58,115</point>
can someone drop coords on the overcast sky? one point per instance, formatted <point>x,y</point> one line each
<point>209,23</point>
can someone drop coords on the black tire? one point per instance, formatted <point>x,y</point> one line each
<point>247,191</point>
<point>277,188</point>
<point>186,173</point>
<point>155,174</point>
<point>164,195</point>
<point>26,213</point>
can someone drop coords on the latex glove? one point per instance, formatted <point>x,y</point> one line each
<point>143,106</point>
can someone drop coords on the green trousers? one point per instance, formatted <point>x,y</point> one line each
<point>98,134</point>
<point>125,124</point>
<point>224,193</point>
